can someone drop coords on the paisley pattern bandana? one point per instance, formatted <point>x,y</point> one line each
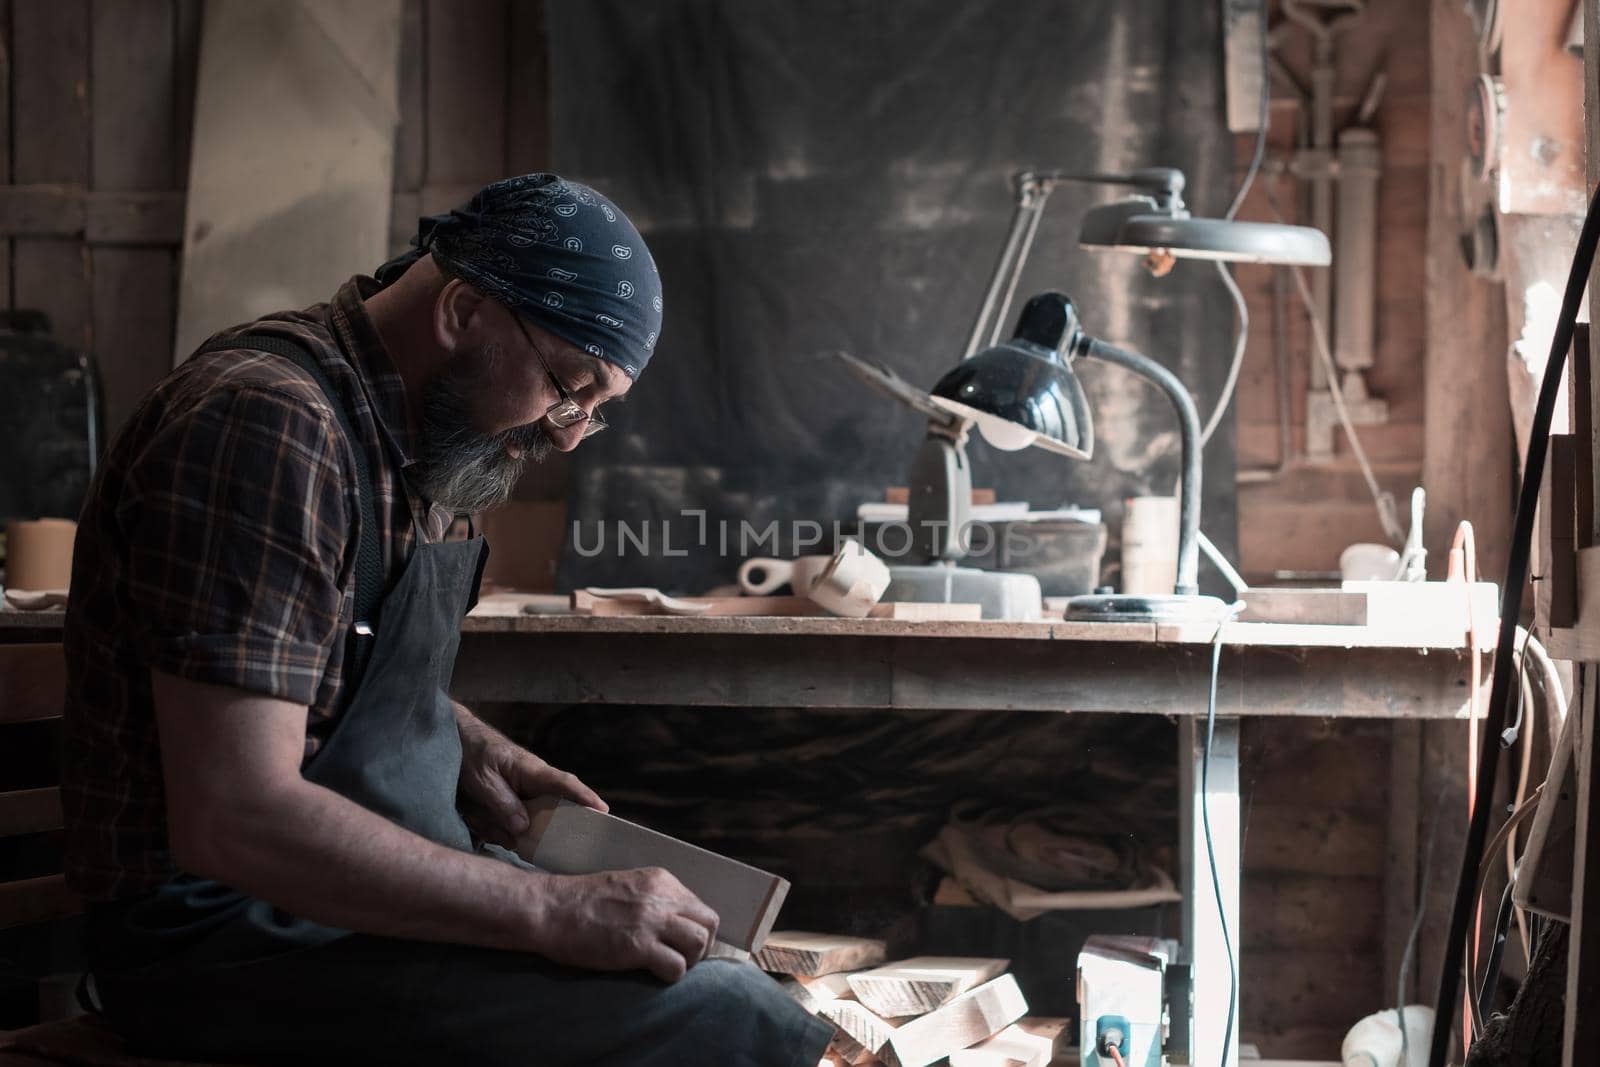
<point>557,252</point>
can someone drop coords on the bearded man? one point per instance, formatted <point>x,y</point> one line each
<point>288,831</point>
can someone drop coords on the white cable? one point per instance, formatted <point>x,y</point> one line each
<point>1263,119</point>
<point>1240,337</point>
<point>1380,496</point>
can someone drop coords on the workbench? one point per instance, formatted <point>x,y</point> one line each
<point>1140,668</point>
<point>1331,671</point>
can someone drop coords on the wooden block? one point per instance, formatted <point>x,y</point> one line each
<point>1324,606</point>
<point>914,612</point>
<point>922,983</point>
<point>572,839</point>
<point>970,1018</point>
<point>827,986</point>
<point>899,494</point>
<point>863,1034</point>
<point>1582,424</point>
<point>1557,592</point>
<point>1011,1047</point>
<point>797,952</point>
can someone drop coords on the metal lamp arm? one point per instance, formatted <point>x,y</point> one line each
<point>1162,184</point>
<point>1189,426</point>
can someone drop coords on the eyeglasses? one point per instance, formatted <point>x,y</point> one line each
<point>565,411</point>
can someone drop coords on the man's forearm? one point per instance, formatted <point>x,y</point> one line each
<point>318,855</point>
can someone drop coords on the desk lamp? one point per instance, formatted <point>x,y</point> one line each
<point>1024,393</point>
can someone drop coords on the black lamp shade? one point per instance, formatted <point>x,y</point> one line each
<point>1021,393</point>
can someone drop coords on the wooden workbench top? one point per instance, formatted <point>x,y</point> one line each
<point>503,614</point>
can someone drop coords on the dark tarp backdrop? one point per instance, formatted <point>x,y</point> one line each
<point>837,175</point>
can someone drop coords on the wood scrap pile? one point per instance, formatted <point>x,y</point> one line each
<point>908,1013</point>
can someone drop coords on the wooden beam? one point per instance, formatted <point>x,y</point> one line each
<point>749,670</point>
<point>50,77</point>
<point>105,218</point>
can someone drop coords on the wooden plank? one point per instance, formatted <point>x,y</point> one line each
<point>1581,641</point>
<point>1558,582</point>
<point>466,87</point>
<point>1580,383</point>
<point>850,670</point>
<point>132,96</point>
<point>1011,1047</point>
<point>812,955</point>
<point>33,682</point>
<point>966,1020</point>
<point>862,1036</point>
<point>98,217</point>
<point>918,985</point>
<point>37,900</point>
<point>113,218</point>
<point>572,839</point>
<point>50,81</point>
<point>30,811</point>
<point>1323,606</point>
<point>134,112</point>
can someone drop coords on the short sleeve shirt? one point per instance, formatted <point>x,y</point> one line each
<point>217,543</point>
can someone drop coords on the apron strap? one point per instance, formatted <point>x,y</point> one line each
<point>369,559</point>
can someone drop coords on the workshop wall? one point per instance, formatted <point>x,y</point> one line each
<point>94,143</point>
<point>1300,516</point>
<point>91,216</point>
<point>838,176</point>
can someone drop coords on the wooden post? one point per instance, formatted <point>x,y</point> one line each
<point>1202,927</point>
<point>133,120</point>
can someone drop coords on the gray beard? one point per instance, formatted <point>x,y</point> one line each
<point>462,468</point>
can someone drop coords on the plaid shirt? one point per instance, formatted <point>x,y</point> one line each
<point>218,543</point>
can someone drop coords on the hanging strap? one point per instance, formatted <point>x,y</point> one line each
<point>369,560</point>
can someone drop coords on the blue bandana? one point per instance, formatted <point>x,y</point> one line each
<point>557,252</point>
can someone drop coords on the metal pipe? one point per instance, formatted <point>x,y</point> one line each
<point>1353,268</point>
<point>1189,427</point>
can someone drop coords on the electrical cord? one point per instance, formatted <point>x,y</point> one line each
<point>1241,337</point>
<point>1242,334</point>
<point>1205,824</point>
<point>1383,500</point>
<point>1416,922</point>
<point>1319,334</point>
<point>1511,596</point>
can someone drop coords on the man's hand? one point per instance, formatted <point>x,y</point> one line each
<point>623,921</point>
<point>498,777</point>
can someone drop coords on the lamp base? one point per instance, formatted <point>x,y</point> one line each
<point>1134,607</point>
<point>1002,595</point>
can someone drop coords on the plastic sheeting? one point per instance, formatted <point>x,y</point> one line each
<point>837,175</point>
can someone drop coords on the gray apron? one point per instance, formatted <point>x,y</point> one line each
<point>395,749</point>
